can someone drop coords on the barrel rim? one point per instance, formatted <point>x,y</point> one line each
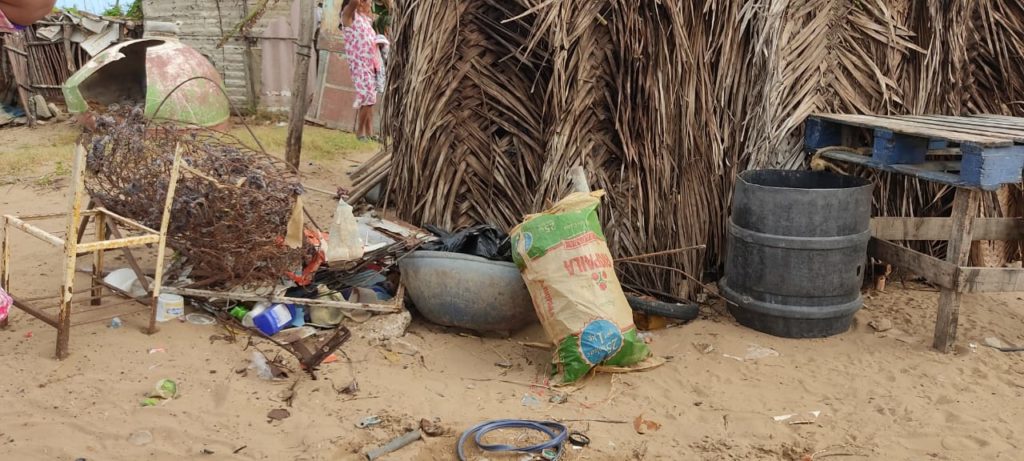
<point>863,183</point>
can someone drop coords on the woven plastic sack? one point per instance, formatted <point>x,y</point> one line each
<point>5,304</point>
<point>568,269</point>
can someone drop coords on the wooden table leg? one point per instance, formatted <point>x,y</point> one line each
<point>965,208</point>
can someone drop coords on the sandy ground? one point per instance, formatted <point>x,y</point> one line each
<point>880,395</point>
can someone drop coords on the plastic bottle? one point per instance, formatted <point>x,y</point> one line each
<point>239,312</point>
<point>258,309</point>
<point>273,319</point>
<point>343,242</point>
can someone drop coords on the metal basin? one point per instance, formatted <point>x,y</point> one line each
<point>466,291</point>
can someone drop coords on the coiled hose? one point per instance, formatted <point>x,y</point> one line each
<point>557,432</point>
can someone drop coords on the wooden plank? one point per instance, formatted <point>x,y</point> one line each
<point>913,129</point>
<point>974,127</point>
<point>991,167</point>
<point>991,280</point>
<point>965,208</point>
<point>933,269</point>
<point>382,308</point>
<point>948,179</point>
<point>897,229</point>
<point>1014,129</point>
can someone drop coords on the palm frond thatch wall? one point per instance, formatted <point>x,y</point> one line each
<point>665,101</point>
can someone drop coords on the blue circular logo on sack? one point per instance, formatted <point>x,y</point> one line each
<point>599,341</point>
<point>527,241</point>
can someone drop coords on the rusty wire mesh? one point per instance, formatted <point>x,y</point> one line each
<point>230,213</point>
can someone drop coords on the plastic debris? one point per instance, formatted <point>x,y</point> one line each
<point>200,319</point>
<point>165,389</point>
<point>643,426</point>
<point>115,323</point>
<point>140,438</point>
<point>369,421</point>
<point>530,401</point>
<point>259,363</point>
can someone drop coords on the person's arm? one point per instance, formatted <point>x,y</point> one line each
<point>26,12</point>
<point>348,13</point>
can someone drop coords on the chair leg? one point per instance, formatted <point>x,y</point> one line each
<point>97,261</point>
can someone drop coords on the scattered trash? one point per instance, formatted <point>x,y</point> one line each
<point>399,346</point>
<point>999,345</point>
<point>432,428</point>
<point>506,364</point>
<point>278,414</point>
<point>484,241</point>
<point>28,334</point>
<point>140,438</point>
<point>783,418</point>
<point>881,325</point>
<point>530,401</point>
<point>351,389</point>
<point>585,312</point>
<point>330,359</point>
<point>169,307</point>
<point>165,389</point>
<point>559,399</point>
<point>115,323</point>
<point>158,349</point>
<point>369,421</point>
<point>207,451</point>
<point>259,363</point>
<point>704,348</point>
<point>578,439</point>
<point>557,434</point>
<point>645,336</point>
<point>394,445</point>
<point>755,352</point>
<point>125,280</point>
<point>643,426</point>
<point>388,326</point>
<point>200,319</point>
<point>343,242</point>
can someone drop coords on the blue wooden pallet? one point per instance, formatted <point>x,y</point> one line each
<point>990,147</point>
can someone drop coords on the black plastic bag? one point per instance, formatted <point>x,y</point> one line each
<point>485,241</point>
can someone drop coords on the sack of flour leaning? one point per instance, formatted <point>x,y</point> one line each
<point>567,267</point>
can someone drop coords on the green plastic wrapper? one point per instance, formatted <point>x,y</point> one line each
<point>566,264</point>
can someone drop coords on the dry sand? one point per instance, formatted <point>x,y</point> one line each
<point>880,396</point>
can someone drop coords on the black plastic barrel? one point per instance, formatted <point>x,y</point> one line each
<point>797,246</point>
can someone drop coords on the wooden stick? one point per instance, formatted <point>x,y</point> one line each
<point>161,248</point>
<point>688,276</point>
<point>965,208</point>
<point>662,253</point>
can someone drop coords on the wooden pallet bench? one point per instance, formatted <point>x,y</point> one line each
<point>991,153</point>
<point>987,150</point>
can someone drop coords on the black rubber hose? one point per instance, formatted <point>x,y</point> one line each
<point>684,312</point>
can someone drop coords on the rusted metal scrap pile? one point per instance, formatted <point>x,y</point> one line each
<point>232,209</point>
<point>245,250</point>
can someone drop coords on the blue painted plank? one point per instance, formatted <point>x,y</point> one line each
<point>896,148</point>
<point>991,167</point>
<point>935,144</point>
<point>820,133</point>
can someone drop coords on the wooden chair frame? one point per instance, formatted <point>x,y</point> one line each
<point>107,225</point>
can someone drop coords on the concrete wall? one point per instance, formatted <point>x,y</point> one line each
<point>202,23</point>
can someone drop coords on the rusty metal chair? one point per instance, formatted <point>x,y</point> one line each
<point>112,232</point>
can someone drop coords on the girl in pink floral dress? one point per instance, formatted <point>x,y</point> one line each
<point>364,61</point>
